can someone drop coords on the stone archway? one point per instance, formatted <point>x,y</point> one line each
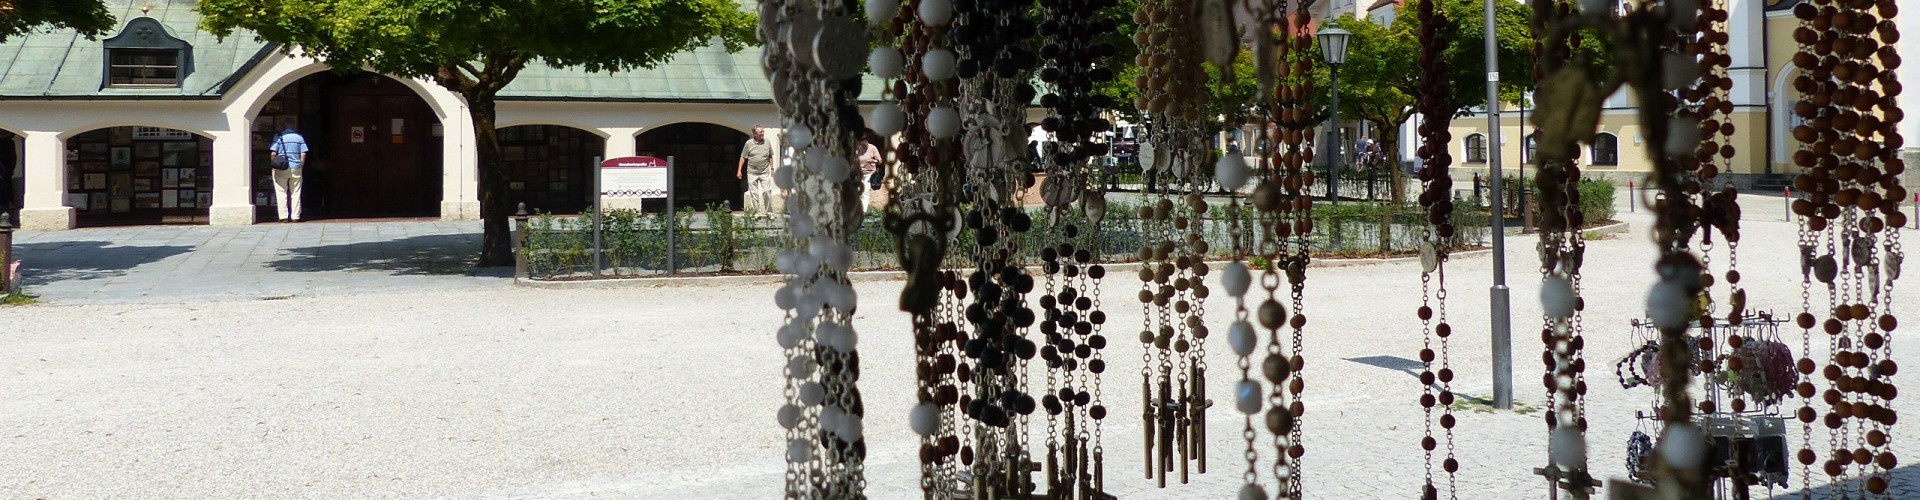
<point>139,175</point>
<point>550,167</point>
<point>376,147</point>
<point>705,155</point>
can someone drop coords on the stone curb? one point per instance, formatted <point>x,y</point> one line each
<point>872,276</point>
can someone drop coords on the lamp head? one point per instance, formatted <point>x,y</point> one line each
<point>1333,45</point>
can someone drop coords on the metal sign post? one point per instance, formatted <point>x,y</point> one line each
<point>596,218</point>
<point>642,177</point>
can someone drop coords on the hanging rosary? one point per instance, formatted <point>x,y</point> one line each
<point>1172,260</point>
<point>1075,459</point>
<point>1435,246</point>
<point>812,58</point>
<point>1849,147</point>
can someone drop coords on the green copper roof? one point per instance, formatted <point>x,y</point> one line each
<point>60,64</point>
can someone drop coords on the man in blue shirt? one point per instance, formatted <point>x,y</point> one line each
<point>289,152</point>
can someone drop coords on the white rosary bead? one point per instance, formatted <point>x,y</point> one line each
<point>1241,337</point>
<point>833,169</point>
<point>924,418</point>
<point>799,451</point>
<point>937,64</point>
<point>943,122</point>
<point>887,119</point>
<point>800,367</point>
<point>1556,296</point>
<point>1683,446</point>
<point>1236,278</point>
<point>1567,446</point>
<point>885,62</point>
<point>1232,171</point>
<point>789,416</point>
<point>811,393</point>
<point>783,298</point>
<point>936,12</point>
<point>1668,305</point>
<point>801,225</point>
<point>1247,396</point>
<point>789,337</point>
<point>799,136</point>
<point>1253,492</point>
<point>881,12</point>
<point>783,177</point>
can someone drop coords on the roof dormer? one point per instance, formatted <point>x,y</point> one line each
<point>146,55</point>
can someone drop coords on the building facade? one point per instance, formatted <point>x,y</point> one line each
<point>1762,47</point>
<point>163,123</point>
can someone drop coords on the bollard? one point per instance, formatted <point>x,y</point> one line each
<point>1787,199</point>
<point>6,254</point>
<point>1633,199</point>
<point>520,242</point>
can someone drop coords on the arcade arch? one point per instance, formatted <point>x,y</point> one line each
<point>550,167</point>
<point>376,147</point>
<point>706,157</point>
<point>130,175</point>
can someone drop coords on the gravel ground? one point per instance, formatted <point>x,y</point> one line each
<point>669,391</point>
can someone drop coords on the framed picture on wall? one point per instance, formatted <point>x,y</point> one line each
<point>93,151</point>
<point>170,178</point>
<point>120,185</point>
<point>120,135</point>
<point>142,184</point>
<point>94,181</point>
<point>187,177</point>
<point>97,201</point>
<point>94,166</point>
<point>122,157</point>
<point>170,199</point>
<point>188,198</point>
<point>206,159</point>
<point>178,154</point>
<point>77,200</point>
<point>122,205</point>
<point>288,122</point>
<point>146,200</point>
<point>147,150</point>
<point>146,168</point>
<point>277,103</point>
<point>203,199</point>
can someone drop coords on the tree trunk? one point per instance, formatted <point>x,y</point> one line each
<point>1390,148</point>
<point>496,241</point>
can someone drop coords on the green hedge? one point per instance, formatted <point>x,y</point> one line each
<point>719,241</point>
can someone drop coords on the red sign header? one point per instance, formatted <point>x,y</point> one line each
<point>634,162</point>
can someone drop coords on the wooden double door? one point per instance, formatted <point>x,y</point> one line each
<point>379,157</point>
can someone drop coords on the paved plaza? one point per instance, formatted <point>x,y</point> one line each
<point>151,368</point>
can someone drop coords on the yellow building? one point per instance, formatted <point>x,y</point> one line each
<point>1762,48</point>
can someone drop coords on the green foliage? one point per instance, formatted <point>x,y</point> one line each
<point>1596,200</point>
<point>89,17</point>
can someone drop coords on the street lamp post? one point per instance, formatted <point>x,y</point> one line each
<point>1502,310</point>
<point>1333,47</point>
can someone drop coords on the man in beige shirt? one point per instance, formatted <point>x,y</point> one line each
<point>870,174</point>
<point>756,167</point>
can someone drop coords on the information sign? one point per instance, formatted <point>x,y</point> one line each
<point>634,177</point>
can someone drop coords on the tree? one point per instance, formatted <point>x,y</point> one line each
<point>1380,81</point>
<point>89,17</point>
<point>476,47</point>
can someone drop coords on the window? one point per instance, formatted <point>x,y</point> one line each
<point>144,68</point>
<point>146,55</point>
<point>1533,144</point>
<point>1476,148</point>
<point>1606,149</point>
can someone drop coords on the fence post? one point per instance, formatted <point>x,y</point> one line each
<point>1633,198</point>
<point>8,282</point>
<point>520,242</point>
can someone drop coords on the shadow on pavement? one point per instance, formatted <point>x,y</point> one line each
<point>50,262</point>
<point>427,255</point>
<point>1410,367</point>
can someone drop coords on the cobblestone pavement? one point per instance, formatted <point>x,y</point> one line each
<point>411,386</point>
<point>146,263</point>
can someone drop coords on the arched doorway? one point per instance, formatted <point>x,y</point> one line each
<point>550,167</point>
<point>375,147</point>
<point>705,159</point>
<point>139,175</point>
